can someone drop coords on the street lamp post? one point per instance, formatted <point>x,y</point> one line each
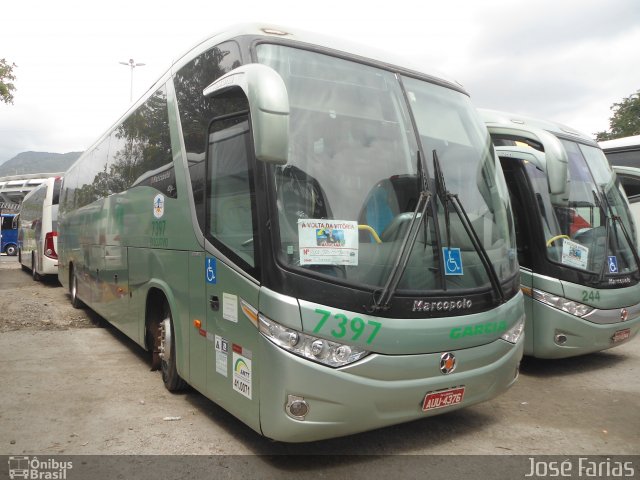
<point>133,65</point>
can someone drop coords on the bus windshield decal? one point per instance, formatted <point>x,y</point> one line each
<point>325,242</point>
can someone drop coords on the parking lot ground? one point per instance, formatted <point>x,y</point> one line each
<point>78,386</point>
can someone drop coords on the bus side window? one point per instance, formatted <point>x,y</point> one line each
<point>230,206</point>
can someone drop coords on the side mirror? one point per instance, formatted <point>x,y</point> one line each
<point>268,104</point>
<point>557,163</point>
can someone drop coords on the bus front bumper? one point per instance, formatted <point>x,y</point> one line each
<point>378,391</point>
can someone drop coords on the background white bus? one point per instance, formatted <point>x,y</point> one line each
<point>38,230</point>
<point>624,155</point>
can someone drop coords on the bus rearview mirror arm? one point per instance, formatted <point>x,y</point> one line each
<point>269,107</point>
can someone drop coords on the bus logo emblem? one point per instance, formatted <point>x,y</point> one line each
<point>447,363</point>
<point>452,261</point>
<point>624,314</point>
<point>158,206</point>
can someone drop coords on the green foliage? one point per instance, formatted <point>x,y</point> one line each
<point>6,81</point>
<point>625,120</point>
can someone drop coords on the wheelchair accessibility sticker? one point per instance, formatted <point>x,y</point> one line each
<point>210,270</point>
<point>613,264</point>
<point>452,261</point>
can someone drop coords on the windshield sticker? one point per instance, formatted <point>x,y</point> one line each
<point>230,307</point>
<point>612,261</point>
<point>574,254</point>
<point>327,242</point>
<point>452,261</point>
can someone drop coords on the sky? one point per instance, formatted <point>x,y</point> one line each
<point>562,60</point>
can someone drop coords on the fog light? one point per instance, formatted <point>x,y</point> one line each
<point>560,338</point>
<point>297,407</point>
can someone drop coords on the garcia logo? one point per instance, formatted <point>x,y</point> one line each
<point>49,469</point>
<point>478,329</point>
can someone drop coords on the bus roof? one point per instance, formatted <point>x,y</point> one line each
<point>621,143</point>
<point>513,119</point>
<point>315,39</point>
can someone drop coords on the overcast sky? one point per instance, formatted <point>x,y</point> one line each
<point>563,60</point>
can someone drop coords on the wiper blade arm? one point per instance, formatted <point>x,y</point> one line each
<point>443,194</point>
<point>382,299</point>
<point>610,214</point>
<point>446,196</point>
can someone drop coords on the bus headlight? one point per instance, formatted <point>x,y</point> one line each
<point>514,333</point>
<point>561,303</point>
<point>319,350</point>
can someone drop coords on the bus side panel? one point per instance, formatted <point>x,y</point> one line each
<point>166,271</point>
<point>199,338</point>
<point>526,280</point>
<point>233,373</point>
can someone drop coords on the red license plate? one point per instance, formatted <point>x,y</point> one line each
<point>621,335</point>
<point>444,398</point>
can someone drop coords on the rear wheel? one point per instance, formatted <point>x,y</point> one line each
<point>11,250</point>
<point>73,290</point>
<point>172,381</point>
<point>34,272</point>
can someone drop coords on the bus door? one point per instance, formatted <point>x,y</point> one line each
<point>524,219</point>
<point>231,268</point>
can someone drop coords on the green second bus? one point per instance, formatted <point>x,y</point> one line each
<point>577,244</point>
<point>317,238</point>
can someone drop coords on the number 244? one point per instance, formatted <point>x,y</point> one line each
<point>356,325</point>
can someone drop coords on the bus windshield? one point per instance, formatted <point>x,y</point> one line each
<point>587,226</point>
<point>362,140</point>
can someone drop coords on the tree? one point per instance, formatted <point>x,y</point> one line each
<point>6,81</point>
<point>625,120</point>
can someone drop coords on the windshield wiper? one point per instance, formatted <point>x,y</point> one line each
<point>381,301</point>
<point>610,215</point>
<point>446,197</point>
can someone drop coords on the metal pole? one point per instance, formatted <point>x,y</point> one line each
<point>132,65</point>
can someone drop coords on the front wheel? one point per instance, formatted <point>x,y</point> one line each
<point>172,381</point>
<point>11,250</point>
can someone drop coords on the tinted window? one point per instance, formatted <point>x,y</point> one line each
<point>631,186</point>
<point>92,177</point>
<point>231,221</point>
<point>56,191</point>
<point>140,149</point>
<point>196,111</point>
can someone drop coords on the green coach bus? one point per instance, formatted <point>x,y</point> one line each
<point>317,238</point>
<point>577,244</point>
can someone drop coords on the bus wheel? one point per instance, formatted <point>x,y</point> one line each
<point>11,250</point>
<point>172,381</point>
<point>73,290</point>
<point>34,272</point>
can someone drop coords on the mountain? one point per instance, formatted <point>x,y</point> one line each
<point>38,162</point>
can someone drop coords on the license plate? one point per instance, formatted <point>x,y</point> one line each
<point>444,398</point>
<point>621,335</point>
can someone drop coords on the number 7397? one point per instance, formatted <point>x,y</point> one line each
<point>341,325</point>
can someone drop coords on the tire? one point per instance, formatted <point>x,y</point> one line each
<point>34,273</point>
<point>172,381</point>
<point>22,265</point>
<point>73,290</point>
<point>11,250</point>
